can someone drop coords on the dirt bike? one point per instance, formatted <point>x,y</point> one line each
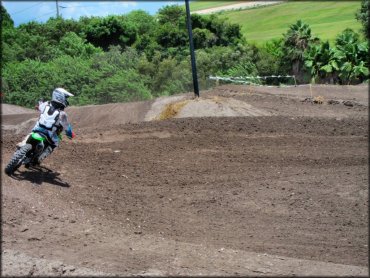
<point>29,153</point>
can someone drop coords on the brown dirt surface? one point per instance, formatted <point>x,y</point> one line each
<point>278,194</point>
<point>9,109</point>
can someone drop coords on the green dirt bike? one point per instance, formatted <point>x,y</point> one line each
<point>29,153</point>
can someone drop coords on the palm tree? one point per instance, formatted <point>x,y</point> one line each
<point>296,41</point>
<point>352,56</point>
<point>348,60</point>
<point>322,62</point>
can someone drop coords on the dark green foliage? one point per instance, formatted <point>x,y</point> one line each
<point>321,60</point>
<point>352,57</point>
<point>203,38</point>
<point>227,33</point>
<point>125,85</point>
<point>110,30</point>
<point>73,45</point>
<point>171,77</point>
<point>30,79</point>
<point>268,59</point>
<point>295,42</point>
<point>174,15</point>
<point>168,36</point>
<point>5,19</point>
<point>363,16</point>
<point>345,63</point>
<point>52,30</point>
<point>10,48</point>
<point>139,56</point>
<point>144,23</point>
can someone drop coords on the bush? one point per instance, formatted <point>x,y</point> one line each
<point>121,87</point>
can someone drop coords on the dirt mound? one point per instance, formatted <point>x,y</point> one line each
<point>210,106</point>
<point>92,116</point>
<point>109,114</point>
<point>8,109</point>
<point>223,101</point>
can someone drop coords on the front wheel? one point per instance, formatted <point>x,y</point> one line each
<point>17,159</point>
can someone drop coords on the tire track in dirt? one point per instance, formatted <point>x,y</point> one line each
<point>200,196</point>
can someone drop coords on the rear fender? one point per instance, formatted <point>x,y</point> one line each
<point>38,137</point>
<point>37,142</point>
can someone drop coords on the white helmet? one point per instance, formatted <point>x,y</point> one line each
<point>60,97</point>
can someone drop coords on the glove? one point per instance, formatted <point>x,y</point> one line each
<point>41,100</point>
<point>69,133</point>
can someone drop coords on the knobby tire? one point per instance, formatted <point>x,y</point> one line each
<point>17,159</point>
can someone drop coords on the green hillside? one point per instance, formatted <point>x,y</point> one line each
<point>326,19</point>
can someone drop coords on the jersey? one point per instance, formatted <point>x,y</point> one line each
<point>51,121</point>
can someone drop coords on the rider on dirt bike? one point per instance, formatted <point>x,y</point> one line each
<point>52,121</point>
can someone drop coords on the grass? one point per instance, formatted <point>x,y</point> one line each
<point>201,5</point>
<point>326,18</point>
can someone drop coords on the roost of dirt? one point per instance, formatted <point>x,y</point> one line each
<point>171,110</point>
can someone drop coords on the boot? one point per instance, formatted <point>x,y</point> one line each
<point>47,151</point>
<point>21,144</point>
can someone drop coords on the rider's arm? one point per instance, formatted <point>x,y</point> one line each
<point>66,125</point>
<point>41,106</point>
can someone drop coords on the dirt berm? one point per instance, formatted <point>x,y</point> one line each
<point>243,181</point>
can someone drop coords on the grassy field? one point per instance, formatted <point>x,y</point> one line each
<point>201,5</point>
<point>327,19</point>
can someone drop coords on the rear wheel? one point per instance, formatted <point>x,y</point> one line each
<point>17,159</point>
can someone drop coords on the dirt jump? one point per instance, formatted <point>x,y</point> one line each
<point>244,181</point>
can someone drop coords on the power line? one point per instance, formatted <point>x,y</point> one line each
<point>64,7</point>
<point>44,15</point>
<point>27,8</point>
<point>80,6</point>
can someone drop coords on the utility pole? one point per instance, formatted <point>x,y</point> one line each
<point>56,2</point>
<point>192,53</point>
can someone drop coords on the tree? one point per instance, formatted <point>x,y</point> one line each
<point>75,46</point>
<point>363,16</point>
<point>352,57</point>
<point>268,60</point>
<point>225,32</point>
<point>125,85</point>
<point>144,23</point>
<point>172,14</point>
<point>110,30</point>
<point>169,36</point>
<point>203,38</point>
<point>5,19</point>
<point>296,41</point>
<point>322,61</point>
<point>117,58</point>
<point>35,47</point>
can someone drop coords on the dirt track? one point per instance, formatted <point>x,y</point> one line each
<point>280,195</point>
<point>245,5</point>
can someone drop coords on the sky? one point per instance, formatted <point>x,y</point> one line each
<point>41,11</point>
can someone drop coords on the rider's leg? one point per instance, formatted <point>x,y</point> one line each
<point>49,149</point>
<point>21,144</point>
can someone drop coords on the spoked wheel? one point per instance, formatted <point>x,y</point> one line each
<point>17,159</point>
